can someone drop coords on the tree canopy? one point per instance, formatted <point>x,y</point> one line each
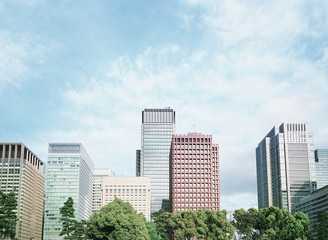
<point>321,227</point>
<point>271,223</point>
<point>8,215</point>
<point>117,220</point>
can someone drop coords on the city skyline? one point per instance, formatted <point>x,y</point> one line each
<point>83,72</point>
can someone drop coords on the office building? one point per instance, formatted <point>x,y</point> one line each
<point>285,166</point>
<point>311,205</point>
<point>23,172</point>
<point>194,173</point>
<point>69,174</point>
<point>321,167</point>
<point>98,174</point>
<point>158,126</point>
<point>138,163</point>
<point>134,190</point>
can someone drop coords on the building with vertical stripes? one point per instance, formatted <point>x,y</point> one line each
<point>23,172</point>
<point>285,166</point>
<point>194,173</point>
<point>157,128</point>
<point>321,167</point>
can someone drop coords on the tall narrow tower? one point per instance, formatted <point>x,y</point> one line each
<point>157,128</point>
<point>285,166</point>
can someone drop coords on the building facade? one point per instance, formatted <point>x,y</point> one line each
<point>134,190</point>
<point>311,205</point>
<point>285,166</point>
<point>158,126</point>
<point>321,167</point>
<point>194,173</point>
<point>69,174</point>
<point>23,172</point>
<point>98,174</point>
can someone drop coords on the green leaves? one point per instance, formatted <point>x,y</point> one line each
<point>204,224</point>
<point>72,229</point>
<point>321,227</point>
<point>271,223</point>
<point>8,216</point>
<point>117,220</point>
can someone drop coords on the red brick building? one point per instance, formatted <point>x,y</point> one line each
<point>194,173</point>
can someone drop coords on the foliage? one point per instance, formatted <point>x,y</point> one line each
<point>321,228</point>
<point>151,228</point>
<point>204,224</point>
<point>72,229</point>
<point>68,219</point>
<point>271,223</point>
<point>117,220</point>
<point>8,216</point>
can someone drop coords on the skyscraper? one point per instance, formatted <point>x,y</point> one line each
<point>22,172</point>
<point>158,126</point>
<point>285,166</point>
<point>321,167</point>
<point>194,173</point>
<point>98,174</point>
<point>69,174</point>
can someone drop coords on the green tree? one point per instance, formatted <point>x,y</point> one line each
<point>185,225</point>
<point>8,216</point>
<point>163,223</point>
<point>151,228</point>
<point>245,222</point>
<point>117,220</point>
<point>218,225</point>
<point>68,219</point>
<point>321,228</point>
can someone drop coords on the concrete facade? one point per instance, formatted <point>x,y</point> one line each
<point>98,174</point>
<point>24,173</point>
<point>134,190</point>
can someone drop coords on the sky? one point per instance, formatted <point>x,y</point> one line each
<point>82,71</point>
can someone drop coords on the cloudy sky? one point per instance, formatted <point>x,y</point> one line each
<point>82,71</point>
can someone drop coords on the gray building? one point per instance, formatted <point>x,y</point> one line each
<point>158,126</point>
<point>69,174</point>
<point>311,205</point>
<point>321,167</point>
<point>285,166</point>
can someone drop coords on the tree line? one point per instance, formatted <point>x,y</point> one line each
<point>118,220</point>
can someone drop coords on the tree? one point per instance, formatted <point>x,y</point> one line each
<point>117,220</point>
<point>8,216</point>
<point>218,225</point>
<point>245,222</point>
<point>163,224</point>
<point>321,228</point>
<point>151,228</point>
<point>68,219</point>
<point>271,223</point>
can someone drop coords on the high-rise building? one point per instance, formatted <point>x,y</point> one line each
<point>134,190</point>
<point>321,167</point>
<point>285,166</point>
<point>194,173</point>
<point>23,172</point>
<point>138,163</point>
<point>69,174</point>
<point>158,126</point>
<point>98,174</point>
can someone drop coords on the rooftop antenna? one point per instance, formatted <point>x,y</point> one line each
<point>194,128</point>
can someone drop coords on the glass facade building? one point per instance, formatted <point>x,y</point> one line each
<point>23,173</point>
<point>321,167</point>
<point>69,174</point>
<point>285,166</point>
<point>158,126</point>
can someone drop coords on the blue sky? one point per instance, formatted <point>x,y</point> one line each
<point>82,71</point>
